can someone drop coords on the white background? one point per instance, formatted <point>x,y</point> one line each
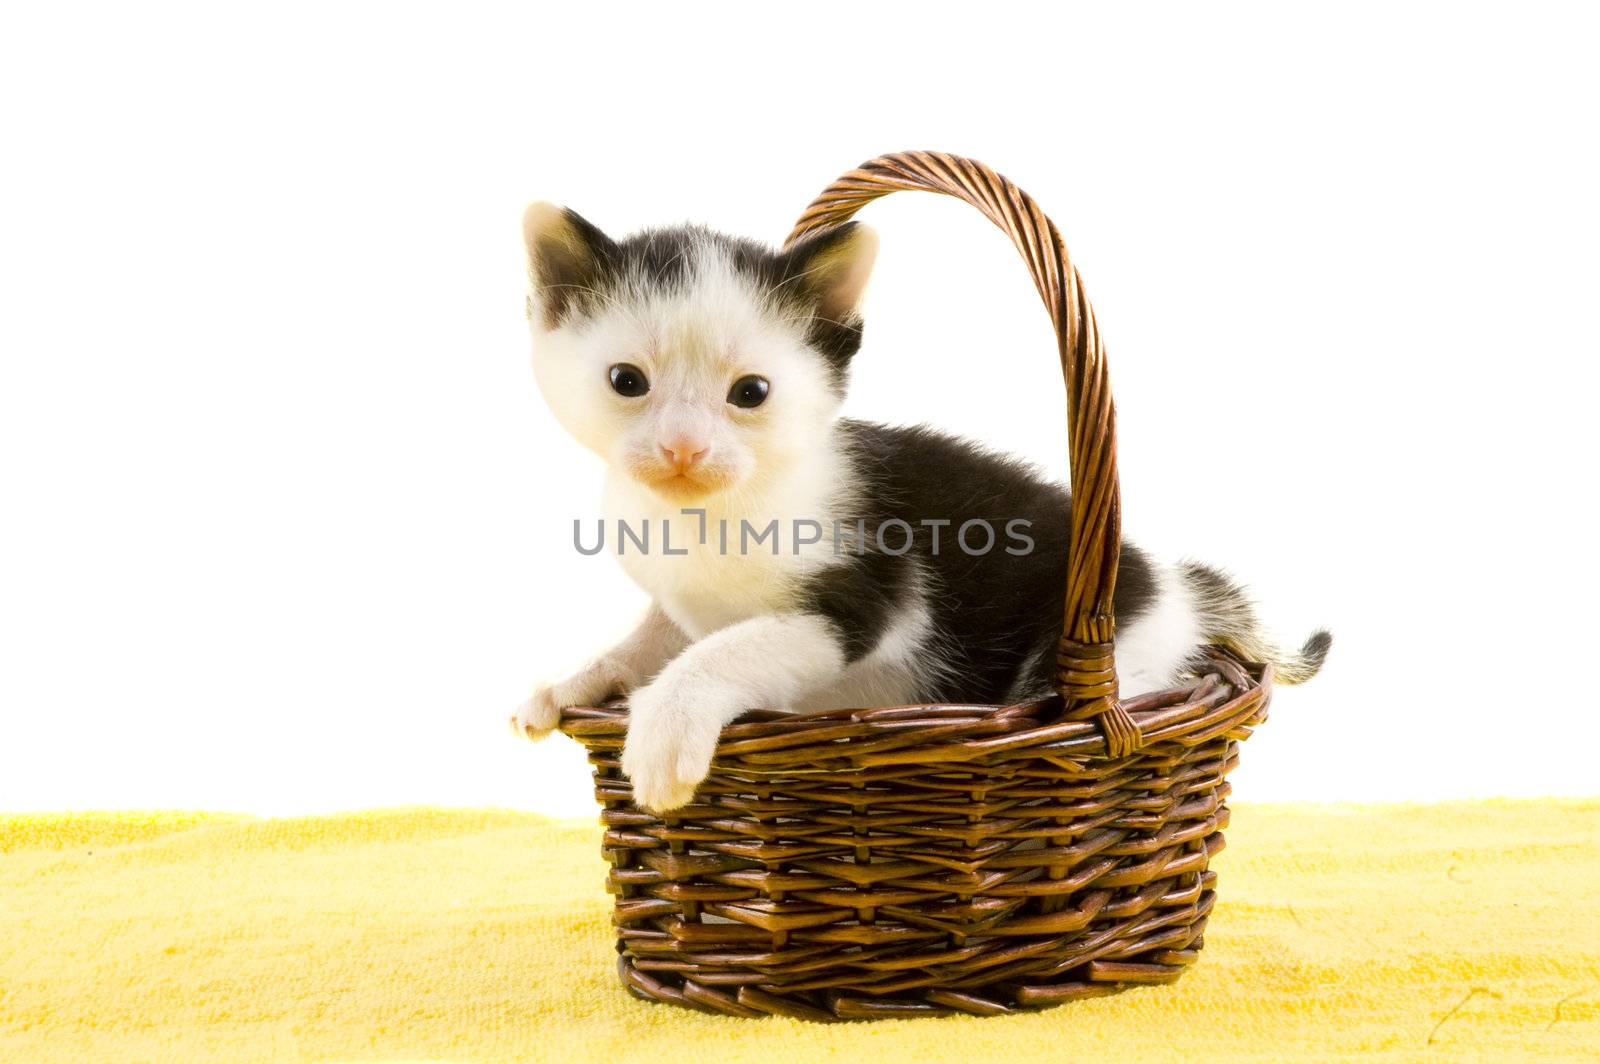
<point>288,528</point>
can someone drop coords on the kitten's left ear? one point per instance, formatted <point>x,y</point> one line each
<point>834,266</point>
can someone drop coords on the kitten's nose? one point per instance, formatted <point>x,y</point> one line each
<point>683,452</point>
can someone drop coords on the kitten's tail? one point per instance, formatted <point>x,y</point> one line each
<point>1228,617</point>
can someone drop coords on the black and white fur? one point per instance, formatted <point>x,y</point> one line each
<point>808,627</point>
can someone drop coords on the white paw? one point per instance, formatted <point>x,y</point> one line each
<point>536,717</point>
<point>672,735</point>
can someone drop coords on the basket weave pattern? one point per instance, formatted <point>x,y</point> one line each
<point>922,860</point>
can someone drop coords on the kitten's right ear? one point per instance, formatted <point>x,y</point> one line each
<point>567,257</point>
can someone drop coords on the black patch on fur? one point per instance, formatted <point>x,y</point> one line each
<point>861,599</point>
<point>989,611</point>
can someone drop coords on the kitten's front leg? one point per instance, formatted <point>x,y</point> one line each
<point>673,722</point>
<point>616,672</point>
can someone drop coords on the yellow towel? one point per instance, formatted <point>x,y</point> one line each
<point>1447,932</point>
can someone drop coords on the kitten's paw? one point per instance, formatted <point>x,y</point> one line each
<point>672,735</point>
<point>536,717</point>
<point>597,682</point>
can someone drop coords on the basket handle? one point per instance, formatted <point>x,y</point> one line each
<point>1086,675</point>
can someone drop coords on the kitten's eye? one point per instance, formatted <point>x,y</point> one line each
<point>748,392</point>
<point>628,380</point>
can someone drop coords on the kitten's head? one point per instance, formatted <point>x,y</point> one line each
<point>689,360</point>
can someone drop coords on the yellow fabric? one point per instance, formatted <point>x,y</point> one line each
<point>1459,931</point>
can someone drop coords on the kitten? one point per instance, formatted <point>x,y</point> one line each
<point>708,372</point>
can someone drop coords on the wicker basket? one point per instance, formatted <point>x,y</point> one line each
<point>923,860</point>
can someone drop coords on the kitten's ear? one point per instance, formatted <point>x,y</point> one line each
<point>566,258</point>
<point>834,267</point>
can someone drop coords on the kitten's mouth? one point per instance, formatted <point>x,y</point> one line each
<point>679,486</point>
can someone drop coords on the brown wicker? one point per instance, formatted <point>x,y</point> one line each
<point>924,860</point>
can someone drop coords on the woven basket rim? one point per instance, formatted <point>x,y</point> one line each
<point>1217,700</point>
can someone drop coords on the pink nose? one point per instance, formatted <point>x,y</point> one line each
<point>683,453</point>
